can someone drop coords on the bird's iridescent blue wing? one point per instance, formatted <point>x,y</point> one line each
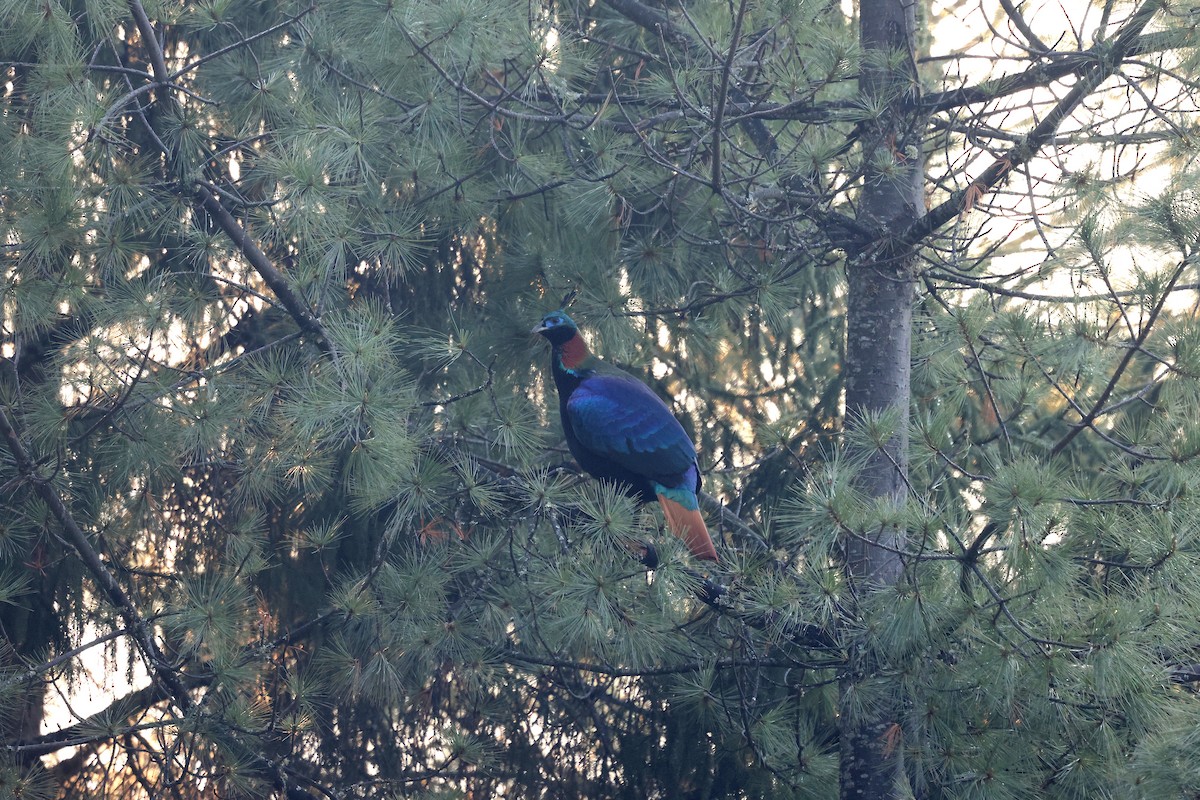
<point>619,418</point>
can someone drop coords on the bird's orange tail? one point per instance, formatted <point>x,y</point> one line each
<point>687,524</point>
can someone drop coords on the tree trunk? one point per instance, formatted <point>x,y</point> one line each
<point>878,348</point>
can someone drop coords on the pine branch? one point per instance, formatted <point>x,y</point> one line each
<point>1038,76</point>
<point>740,109</point>
<point>1110,56</point>
<point>139,630</point>
<point>279,285</point>
<point>723,95</point>
<point>1097,409</point>
<point>732,520</point>
<point>1043,74</point>
<point>717,597</point>
<point>1018,21</point>
<point>80,732</point>
<point>33,672</point>
<point>601,668</point>
<point>239,44</point>
<point>708,590</point>
<point>652,20</point>
<point>658,22</point>
<point>1185,673</point>
<point>96,727</point>
<point>1070,299</point>
<point>207,200</point>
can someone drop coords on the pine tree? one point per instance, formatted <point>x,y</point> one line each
<point>279,457</point>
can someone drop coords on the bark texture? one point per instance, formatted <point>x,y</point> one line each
<point>878,358</point>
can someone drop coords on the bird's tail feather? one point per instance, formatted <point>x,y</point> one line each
<point>688,525</point>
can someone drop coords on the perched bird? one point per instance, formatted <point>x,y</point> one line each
<point>620,431</point>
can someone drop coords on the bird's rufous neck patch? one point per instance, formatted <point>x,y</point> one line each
<point>572,352</point>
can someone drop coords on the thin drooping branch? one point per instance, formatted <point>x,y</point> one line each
<point>600,668</point>
<point>139,630</point>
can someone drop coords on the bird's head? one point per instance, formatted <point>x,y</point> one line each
<point>557,327</point>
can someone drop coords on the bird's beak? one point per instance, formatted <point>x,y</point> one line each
<point>538,329</point>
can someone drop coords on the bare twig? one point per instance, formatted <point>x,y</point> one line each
<point>723,95</point>
<point>1143,334</point>
<point>191,65</point>
<point>1120,47</point>
<point>1018,21</point>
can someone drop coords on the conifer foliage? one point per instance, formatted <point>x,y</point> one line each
<point>285,510</point>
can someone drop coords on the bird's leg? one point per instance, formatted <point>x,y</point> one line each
<point>559,532</point>
<point>644,552</point>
